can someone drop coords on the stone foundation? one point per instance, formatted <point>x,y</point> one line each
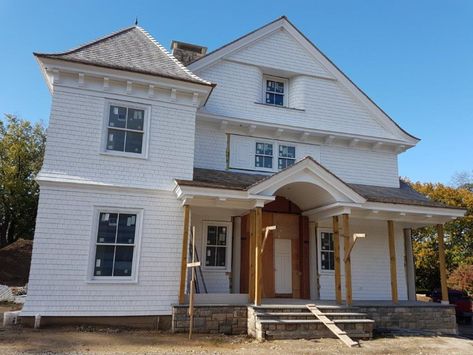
<point>211,319</point>
<point>434,318</point>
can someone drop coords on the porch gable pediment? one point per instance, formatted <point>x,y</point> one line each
<point>310,172</point>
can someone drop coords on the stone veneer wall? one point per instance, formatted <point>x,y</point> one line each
<point>436,318</point>
<point>211,319</point>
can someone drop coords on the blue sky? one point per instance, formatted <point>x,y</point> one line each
<point>413,58</point>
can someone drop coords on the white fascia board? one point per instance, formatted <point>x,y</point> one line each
<point>326,177</point>
<point>68,183</point>
<point>232,47</point>
<point>434,211</point>
<point>183,191</point>
<point>123,75</point>
<point>381,116</point>
<point>210,117</point>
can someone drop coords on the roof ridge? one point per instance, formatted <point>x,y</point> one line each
<point>165,51</point>
<point>88,44</point>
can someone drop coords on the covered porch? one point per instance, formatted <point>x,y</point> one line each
<point>333,242</point>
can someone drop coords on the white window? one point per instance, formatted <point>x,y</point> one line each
<point>217,238</point>
<point>287,156</point>
<point>126,129</point>
<point>264,155</point>
<point>275,91</point>
<point>116,238</point>
<point>326,251</point>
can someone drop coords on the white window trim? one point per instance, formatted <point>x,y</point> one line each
<point>146,128</point>
<point>275,146</point>
<point>228,252</point>
<point>133,278</point>
<point>287,158</point>
<point>286,89</point>
<point>319,250</point>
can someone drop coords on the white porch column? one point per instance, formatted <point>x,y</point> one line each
<point>236,255</point>
<point>410,267</point>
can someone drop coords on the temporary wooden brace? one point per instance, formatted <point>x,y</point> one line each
<point>346,247</point>
<point>258,256</point>
<point>336,247</point>
<point>185,241</point>
<point>392,261</point>
<point>266,234</point>
<point>353,240</point>
<point>192,265</point>
<point>340,334</point>
<point>443,271</point>
<point>251,252</point>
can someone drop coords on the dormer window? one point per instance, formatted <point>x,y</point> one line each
<point>275,91</point>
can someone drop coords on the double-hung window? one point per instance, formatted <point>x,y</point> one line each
<point>287,156</point>
<point>217,242</point>
<point>115,244</point>
<point>327,253</point>
<point>264,155</point>
<point>275,91</point>
<point>126,129</point>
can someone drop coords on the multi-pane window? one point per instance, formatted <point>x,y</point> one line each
<point>287,156</point>
<point>275,91</point>
<point>216,246</point>
<point>125,129</point>
<point>327,254</point>
<point>115,244</point>
<point>264,155</point>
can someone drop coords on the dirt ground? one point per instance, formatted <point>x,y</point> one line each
<point>15,262</point>
<point>113,341</point>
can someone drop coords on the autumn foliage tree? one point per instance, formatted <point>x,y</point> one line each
<point>21,156</point>
<point>458,235</point>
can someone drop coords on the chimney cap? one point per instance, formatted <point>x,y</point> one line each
<point>188,47</point>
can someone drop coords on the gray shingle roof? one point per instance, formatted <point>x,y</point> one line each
<point>405,194</point>
<point>131,49</point>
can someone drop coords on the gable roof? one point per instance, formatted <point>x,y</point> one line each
<point>131,49</point>
<point>405,194</point>
<point>282,22</point>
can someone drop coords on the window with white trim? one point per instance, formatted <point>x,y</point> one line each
<point>217,244</point>
<point>275,91</point>
<point>115,244</point>
<point>125,129</point>
<point>287,156</point>
<point>327,252</point>
<point>264,155</point>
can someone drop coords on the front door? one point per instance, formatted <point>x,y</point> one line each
<point>282,266</point>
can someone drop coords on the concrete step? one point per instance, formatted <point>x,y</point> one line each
<point>309,315</point>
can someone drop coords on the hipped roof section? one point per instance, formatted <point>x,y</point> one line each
<point>131,49</point>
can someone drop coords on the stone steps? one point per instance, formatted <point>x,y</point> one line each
<point>296,322</point>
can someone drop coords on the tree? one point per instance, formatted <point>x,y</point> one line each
<point>462,279</point>
<point>458,235</point>
<point>21,156</point>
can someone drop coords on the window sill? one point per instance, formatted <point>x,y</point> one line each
<point>111,281</point>
<point>281,107</point>
<point>124,155</point>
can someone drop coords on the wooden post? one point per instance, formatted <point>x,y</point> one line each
<point>192,290</point>
<point>336,247</point>
<point>258,255</point>
<point>251,251</point>
<point>346,247</point>
<point>185,242</point>
<point>409,265</point>
<point>392,261</point>
<point>443,269</point>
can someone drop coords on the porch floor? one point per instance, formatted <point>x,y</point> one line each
<point>364,303</point>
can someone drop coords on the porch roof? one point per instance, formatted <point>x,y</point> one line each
<point>231,180</point>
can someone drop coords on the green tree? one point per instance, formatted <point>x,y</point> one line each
<point>21,156</point>
<point>458,235</point>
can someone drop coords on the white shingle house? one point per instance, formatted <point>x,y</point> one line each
<point>264,131</point>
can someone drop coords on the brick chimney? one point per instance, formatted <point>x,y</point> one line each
<point>186,53</point>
